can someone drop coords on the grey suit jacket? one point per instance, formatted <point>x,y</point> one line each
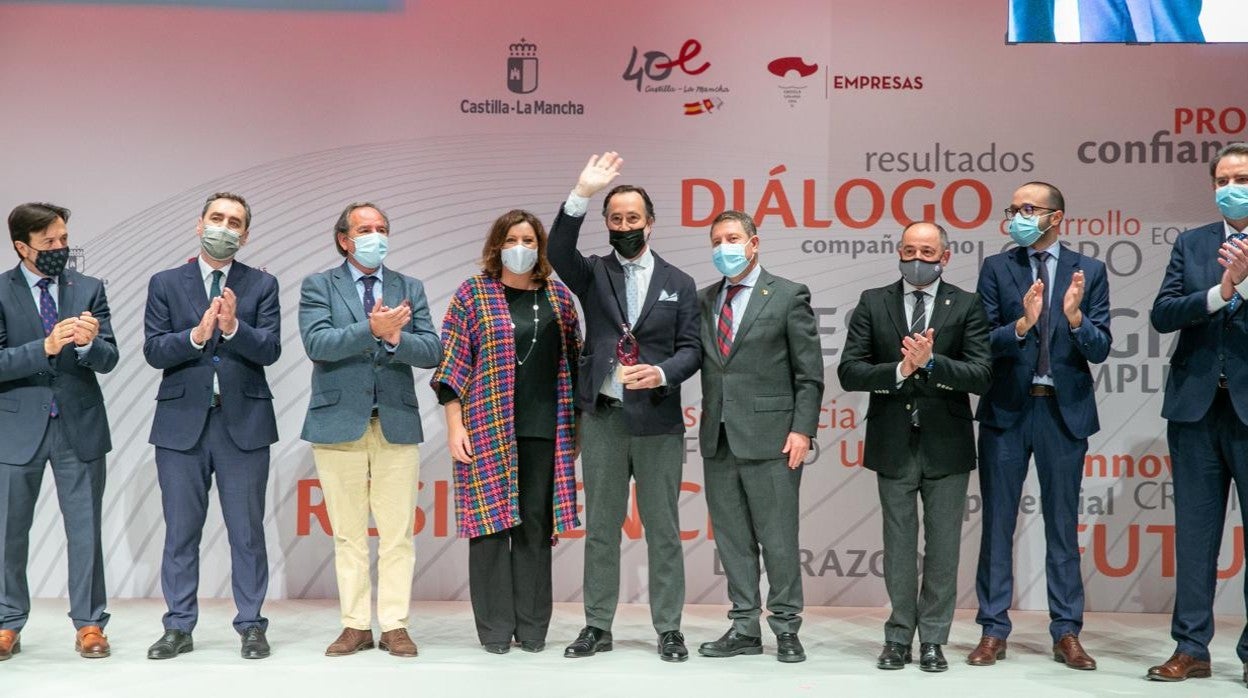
<point>771,382</point>
<point>350,366</point>
<point>29,379</point>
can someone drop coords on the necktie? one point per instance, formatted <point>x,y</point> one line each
<point>1042,273</point>
<point>47,313</point>
<point>723,333</point>
<point>369,299</point>
<point>1236,299</point>
<point>216,284</point>
<point>918,324</point>
<point>632,291</point>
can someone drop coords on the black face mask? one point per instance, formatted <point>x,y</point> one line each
<point>52,262</point>
<point>628,243</point>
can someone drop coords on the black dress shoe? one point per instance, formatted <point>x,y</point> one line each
<point>497,647</point>
<point>789,649</point>
<point>931,658</point>
<point>731,644</point>
<point>894,656</point>
<point>532,645</point>
<point>591,641</point>
<point>672,647</point>
<point>255,646</point>
<point>170,645</point>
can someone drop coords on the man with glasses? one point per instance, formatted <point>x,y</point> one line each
<point>642,341</point>
<point>1206,406</point>
<point>1048,310</point>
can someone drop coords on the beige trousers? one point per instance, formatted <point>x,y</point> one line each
<point>359,477</point>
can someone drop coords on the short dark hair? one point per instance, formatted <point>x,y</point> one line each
<point>1056,201</point>
<point>343,226</point>
<point>1239,148</point>
<point>492,253</point>
<point>624,189</point>
<point>25,219</point>
<point>944,236</point>
<point>741,217</point>
<point>232,197</point>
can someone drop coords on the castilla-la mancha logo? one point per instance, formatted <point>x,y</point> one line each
<point>522,67</point>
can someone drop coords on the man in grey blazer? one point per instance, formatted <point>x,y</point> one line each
<point>55,336</point>
<point>762,383</point>
<point>364,326</point>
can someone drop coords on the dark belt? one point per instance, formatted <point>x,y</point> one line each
<point>216,400</point>
<point>608,401</point>
<point>373,415</point>
<point>1222,383</point>
<point>1042,390</point>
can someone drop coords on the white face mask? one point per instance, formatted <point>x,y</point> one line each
<point>519,259</point>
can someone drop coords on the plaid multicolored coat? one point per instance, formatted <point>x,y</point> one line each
<point>479,365</point>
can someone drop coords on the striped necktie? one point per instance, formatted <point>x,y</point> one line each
<point>723,331</point>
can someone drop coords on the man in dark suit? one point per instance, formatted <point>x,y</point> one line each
<point>1048,313</point>
<point>631,422</point>
<point>55,336</point>
<point>212,325</point>
<point>762,384</point>
<point>1206,406</point>
<point>920,346</point>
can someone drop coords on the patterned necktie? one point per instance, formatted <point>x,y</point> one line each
<point>918,324</point>
<point>632,292</point>
<point>216,284</point>
<point>723,331</point>
<point>47,313</point>
<point>1042,273</point>
<point>1236,299</point>
<point>369,299</point>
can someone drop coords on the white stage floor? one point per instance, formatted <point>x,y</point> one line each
<point>841,644</point>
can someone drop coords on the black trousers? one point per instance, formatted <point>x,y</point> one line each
<point>509,571</point>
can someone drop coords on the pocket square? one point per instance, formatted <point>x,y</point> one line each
<point>665,297</point>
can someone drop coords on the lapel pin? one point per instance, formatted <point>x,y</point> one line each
<point>946,301</point>
<point>764,292</point>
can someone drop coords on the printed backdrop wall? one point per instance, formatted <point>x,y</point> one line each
<point>832,122</point>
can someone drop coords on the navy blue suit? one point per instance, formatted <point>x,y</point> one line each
<point>1014,426</point>
<point>195,440</point>
<point>74,442</point>
<point>1206,429</point>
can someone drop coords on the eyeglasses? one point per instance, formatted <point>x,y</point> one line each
<point>1028,210</point>
<point>632,220</point>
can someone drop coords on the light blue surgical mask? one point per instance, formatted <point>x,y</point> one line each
<point>370,249</point>
<point>1026,230</point>
<point>729,258</point>
<point>1232,201</point>
<point>519,259</point>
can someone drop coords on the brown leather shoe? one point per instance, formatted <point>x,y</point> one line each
<point>10,644</point>
<point>91,642</point>
<point>1179,667</point>
<point>350,642</point>
<point>987,652</point>
<point>1068,651</point>
<point>398,643</point>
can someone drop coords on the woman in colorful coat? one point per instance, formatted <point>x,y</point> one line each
<point>510,343</point>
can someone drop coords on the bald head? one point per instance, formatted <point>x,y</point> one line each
<point>923,239</point>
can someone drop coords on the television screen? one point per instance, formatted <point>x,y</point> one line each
<point>1127,21</point>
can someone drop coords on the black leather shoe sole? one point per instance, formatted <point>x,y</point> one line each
<point>578,654</point>
<point>892,665</point>
<point>497,647</point>
<point>256,652</point>
<point>791,658</point>
<point>932,667</point>
<point>707,651</point>
<point>673,657</point>
<point>169,651</point>
<point>532,645</point>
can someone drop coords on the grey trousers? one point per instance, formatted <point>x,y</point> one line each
<point>929,609</point>
<point>754,507</point>
<point>610,456</point>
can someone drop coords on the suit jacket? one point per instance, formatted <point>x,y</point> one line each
<point>1003,281</point>
<point>351,368</point>
<point>775,366</point>
<point>30,379</point>
<point>962,366</point>
<point>176,301</point>
<point>1209,345</point>
<point>666,328</point>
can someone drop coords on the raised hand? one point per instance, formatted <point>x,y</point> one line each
<point>1233,256</point>
<point>1033,305</point>
<point>598,173</point>
<point>227,319</point>
<point>1074,296</point>
<point>202,332</point>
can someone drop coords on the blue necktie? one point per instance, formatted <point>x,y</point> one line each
<point>369,299</point>
<point>1042,272</point>
<point>47,313</point>
<point>632,292</point>
<point>1236,300</point>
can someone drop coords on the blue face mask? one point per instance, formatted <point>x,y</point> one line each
<point>1232,201</point>
<point>1024,231</point>
<point>729,258</point>
<point>370,249</point>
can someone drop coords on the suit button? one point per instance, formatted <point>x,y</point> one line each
<point>216,359</point>
<point>907,406</point>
